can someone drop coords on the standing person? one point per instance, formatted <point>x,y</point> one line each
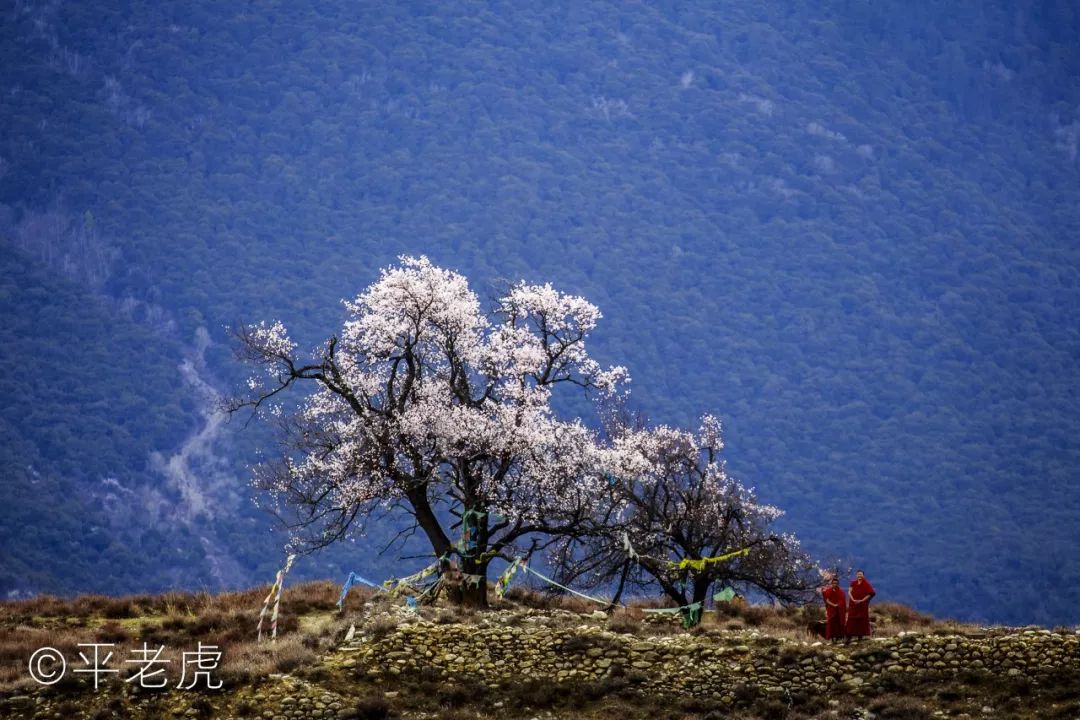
<point>834,610</point>
<point>858,620</point>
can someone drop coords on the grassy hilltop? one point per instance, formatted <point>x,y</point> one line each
<point>846,228</point>
<point>530,656</point>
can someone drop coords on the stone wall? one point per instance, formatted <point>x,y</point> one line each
<point>709,665</point>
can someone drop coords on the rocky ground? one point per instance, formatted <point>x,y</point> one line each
<point>533,658</point>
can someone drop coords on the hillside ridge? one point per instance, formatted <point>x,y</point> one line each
<point>847,229</point>
<point>533,655</point>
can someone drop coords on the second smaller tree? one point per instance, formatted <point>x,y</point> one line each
<point>673,514</point>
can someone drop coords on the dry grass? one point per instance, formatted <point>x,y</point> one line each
<point>242,660</point>
<point>381,628</point>
<point>177,621</point>
<point>309,624</point>
<point>626,620</point>
<point>301,599</point>
<point>790,622</point>
<point>793,623</point>
<point>524,596</point>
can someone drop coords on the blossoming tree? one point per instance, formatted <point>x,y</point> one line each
<point>672,513</point>
<point>425,402</point>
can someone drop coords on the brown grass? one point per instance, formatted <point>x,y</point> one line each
<point>242,660</point>
<point>179,621</point>
<point>309,624</point>
<point>900,708</point>
<point>381,628</point>
<point>793,623</point>
<point>626,620</point>
<point>300,599</point>
<point>523,596</point>
<point>782,621</point>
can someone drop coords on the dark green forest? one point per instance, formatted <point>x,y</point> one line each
<point>850,229</point>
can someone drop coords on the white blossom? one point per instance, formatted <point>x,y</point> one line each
<point>423,401</point>
<point>273,339</point>
<point>423,387</point>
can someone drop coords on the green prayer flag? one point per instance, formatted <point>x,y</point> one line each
<point>725,595</point>
<point>691,615</point>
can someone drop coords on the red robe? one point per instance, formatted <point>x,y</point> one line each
<point>858,618</point>
<point>834,616</point>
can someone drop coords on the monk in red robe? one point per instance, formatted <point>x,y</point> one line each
<point>858,618</point>
<point>834,610</point>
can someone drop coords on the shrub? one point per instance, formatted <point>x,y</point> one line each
<point>373,708</point>
<point>771,709</point>
<point>116,608</point>
<point>460,714</point>
<point>534,694</point>
<point>581,643</point>
<point>900,708</point>
<point>461,693</point>
<point>789,656</point>
<point>1064,685</point>
<point>950,694</point>
<point>744,694</point>
<point>316,674</point>
<point>812,703</point>
<point>291,656</point>
<point>152,634</point>
<point>901,614</point>
<point>173,623</point>
<point>627,621</point>
<point>207,623</point>
<point>112,633</point>
<point>535,599</point>
<point>755,616</point>
<point>446,616</point>
<point>898,682</point>
<point>381,628</point>
<point>811,614</point>
<point>203,707</point>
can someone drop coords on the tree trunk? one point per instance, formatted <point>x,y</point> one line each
<point>474,596</point>
<point>473,590</point>
<point>701,588</point>
<point>699,594</point>
<point>619,590</point>
<point>429,524</point>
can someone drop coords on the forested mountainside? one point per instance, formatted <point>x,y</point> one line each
<point>850,229</point>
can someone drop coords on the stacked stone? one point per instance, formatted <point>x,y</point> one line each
<point>706,666</point>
